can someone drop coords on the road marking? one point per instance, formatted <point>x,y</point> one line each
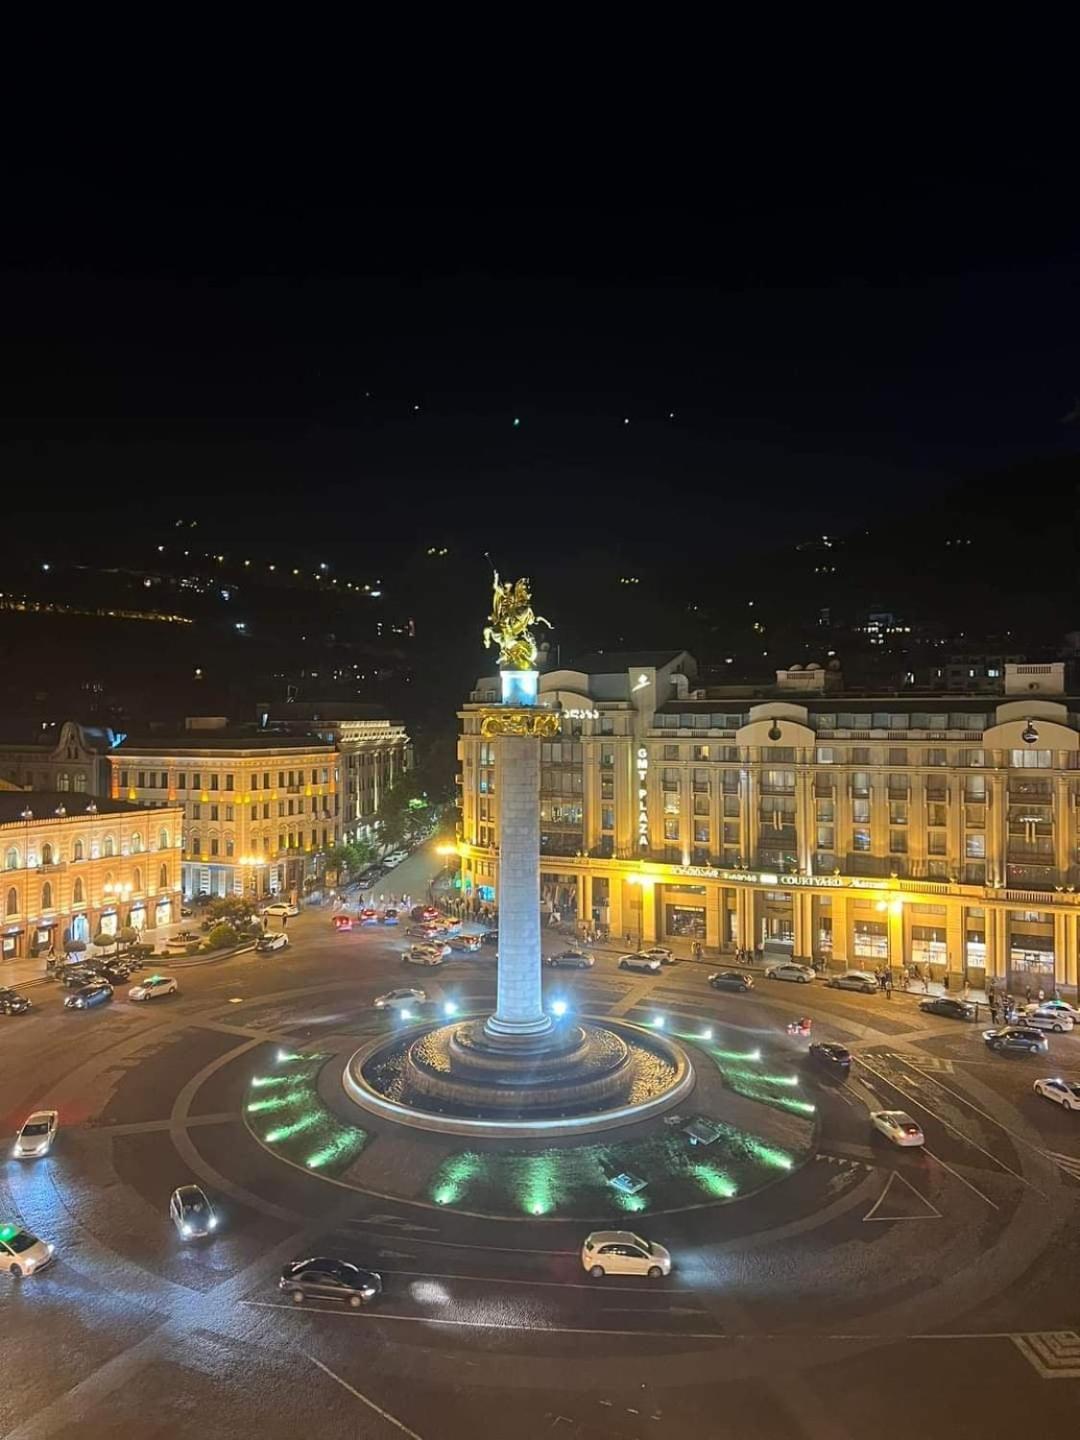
<point>378,1316</point>
<point>394,1220</point>
<point>945,1166</point>
<point>871,1214</point>
<point>462,1245</point>
<point>941,1121</point>
<point>1069,1163</point>
<point>1053,1354</point>
<point>545,1284</point>
<point>148,1127</point>
<point>390,1419</point>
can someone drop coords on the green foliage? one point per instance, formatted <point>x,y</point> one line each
<point>221,936</point>
<point>74,947</point>
<point>350,858</point>
<point>233,909</point>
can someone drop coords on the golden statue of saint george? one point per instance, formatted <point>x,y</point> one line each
<point>511,618</point>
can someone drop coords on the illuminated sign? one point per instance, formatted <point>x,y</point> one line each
<point>643,797</point>
<point>641,682</point>
<point>754,877</point>
<point>581,714</point>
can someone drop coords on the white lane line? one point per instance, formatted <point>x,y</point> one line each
<point>896,1085</point>
<point>401,1238</point>
<point>390,1419</point>
<point>379,1316</point>
<point>946,1166</point>
<point>546,1284</point>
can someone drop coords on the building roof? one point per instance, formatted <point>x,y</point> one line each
<point>216,740</point>
<point>44,804</point>
<point>317,711</point>
<point>614,662</point>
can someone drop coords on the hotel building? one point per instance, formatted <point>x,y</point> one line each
<point>907,829</point>
<point>74,865</point>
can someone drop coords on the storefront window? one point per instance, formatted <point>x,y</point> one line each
<point>685,920</point>
<point>872,939</point>
<point>928,945</point>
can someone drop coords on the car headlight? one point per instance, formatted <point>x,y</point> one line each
<point>212,1222</point>
<point>185,1228</point>
<point>29,1266</point>
<point>50,1248</point>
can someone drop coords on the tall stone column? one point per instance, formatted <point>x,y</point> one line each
<point>519,1009</point>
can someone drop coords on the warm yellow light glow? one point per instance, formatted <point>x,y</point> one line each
<point>446,849</point>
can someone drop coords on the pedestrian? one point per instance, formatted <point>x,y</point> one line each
<point>626,937</point>
<point>1042,993</point>
<point>945,982</point>
<point>888,987</point>
<point>881,980</point>
<point>1027,994</point>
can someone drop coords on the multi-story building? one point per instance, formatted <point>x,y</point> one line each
<point>938,832</point>
<point>63,756</point>
<point>374,752</point>
<point>77,865</point>
<point>260,811</point>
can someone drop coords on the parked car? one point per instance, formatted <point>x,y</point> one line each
<point>1065,1093</point>
<point>645,963</point>
<point>833,1059</point>
<point>117,973</point>
<point>571,960</point>
<point>897,1126</point>
<point>860,980</point>
<point>97,992</point>
<point>36,1136</point>
<point>621,1252</point>
<point>75,976</point>
<point>155,987</point>
<point>1009,1039</point>
<point>1048,1019</point>
<point>277,941</point>
<point>191,1212</point>
<point>736,980</point>
<point>1061,1005</point>
<point>490,937</point>
<point>469,943</point>
<point>282,909</point>
<point>12,1003</point>
<point>661,953</point>
<point>22,1253</point>
<point>946,1005</point>
<point>321,1278</point>
<point>790,970</point>
<point>400,999</point>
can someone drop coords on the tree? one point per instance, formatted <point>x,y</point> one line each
<point>233,909</point>
<point>221,936</point>
<point>74,947</point>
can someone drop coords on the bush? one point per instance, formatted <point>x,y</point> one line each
<point>221,936</point>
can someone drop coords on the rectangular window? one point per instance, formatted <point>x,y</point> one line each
<point>898,812</point>
<point>860,755</point>
<point>1030,759</point>
<point>701,752</point>
<point>825,755</point>
<point>860,811</point>
<point>213,845</point>
<point>266,779</point>
<point>898,842</point>
<point>196,781</point>
<point>671,828</point>
<point>860,840</point>
<point>937,757</point>
<point>228,782</point>
<point>936,842</point>
<point>228,812</point>
<point>975,847</point>
<point>266,810</point>
<point>214,812</point>
<point>973,757</point>
<point>196,811</point>
<point>141,779</point>
<point>701,804</point>
<point>254,812</point>
<point>701,832</point>
<point>936,814</point>
<point>860,782</point>
<point>181,781</point>
<point>671,752</point>
<point>825,835</point>
<point>254,780</point>
<point>607,756</point>
<point>123,779</point>
<point>607,817</point>
<point>897,757</point>
<point>213,782</point>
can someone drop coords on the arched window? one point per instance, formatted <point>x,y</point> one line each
<point>11,905</point>
<point>11,858</point>
<point>78,894</point>
<point>163,878</point>
<point>136,843</point>
<point>46,896</point>
<point>63,781</point>
<point>77,850</point>
<point>163,839</point>
<point>109,847</point>
<point>137,886</point>
<point>46,854</point>
<point>80,783</point>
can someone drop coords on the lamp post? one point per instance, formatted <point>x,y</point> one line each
<point>26,815</point>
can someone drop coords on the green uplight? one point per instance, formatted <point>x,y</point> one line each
<point>538,1195</point>
<point>714,1182</point>
<point>286,1132</point>
<point>634,1203</point>
<point>274,1102</point>
<point>260,1082</point>
<point>752,1055</point>
<point>343,1146</point>
<point>778,1079</point>
<point>454,1176</point>
<point>770,1156</point>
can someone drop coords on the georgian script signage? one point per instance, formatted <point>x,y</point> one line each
<point>780,882</point>
<point>575,714</point>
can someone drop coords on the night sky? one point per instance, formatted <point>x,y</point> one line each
<point>788,362</point>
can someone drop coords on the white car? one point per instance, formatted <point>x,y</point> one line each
<point>648,964</point>
<point>1062,1006</point>
<point>1065,1093</point>
<point>400,999</point>
<point>36,1136</point>
<point>661,953</point>
<point>1043,1018</point>
<point>154,987</point>
<point>426,954</point>
<point>621,1252</point>
<point>790,970</point>
<point>897,1126</point>
<point>277,941</point>
<point>281,909</point>
<point>191,1212</point>
<point>22,1253</point>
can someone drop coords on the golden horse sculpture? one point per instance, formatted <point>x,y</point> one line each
<point>511,620</point>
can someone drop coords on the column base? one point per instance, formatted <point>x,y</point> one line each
<point>508,1029</point>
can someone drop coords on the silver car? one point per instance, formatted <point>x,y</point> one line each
<point>1045,1018</point>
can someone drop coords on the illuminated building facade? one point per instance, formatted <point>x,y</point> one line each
<point>259,811</point>
<point>865,830</point>
<point>72,866</point>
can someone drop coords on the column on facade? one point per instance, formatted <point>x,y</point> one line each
<point>897,953</point>
<point>996,819</point>
<point>995,941</point>
<point>802,920</point>
<point>805,821</point>
<point>1061,827</point>
<point>650,899</point>
<point>519,1008</point>
<point>579,883</point>
<point>879,816</point>
<point>1061,945</point>
<point>954,815</point>
<point>714,900</point>
<point>841,780</point>
<point>955,939</point>
<point>744,917</point>
<point>615,907</point>
<point>839,927</point>
<point>1068,970</point>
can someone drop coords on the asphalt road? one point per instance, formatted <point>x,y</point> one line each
<point>900,1292</point>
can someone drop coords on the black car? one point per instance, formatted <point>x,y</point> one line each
<point>833,1059</point>
<point>489,937</point>
<point>954,1009</point>
<point>731,980</point>
<point>117,972</point>
<point>98,992</point>
<point>76,975</point>
<point>12,1003</point>
<point>320,1278</point>
<point>1009,1038</point>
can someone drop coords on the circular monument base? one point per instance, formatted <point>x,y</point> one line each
<point>459,1079</point>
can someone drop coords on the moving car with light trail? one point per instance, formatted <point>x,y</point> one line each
<point>267,944</point>
<point>36,1136</point>
<point>322,1278</point>
<point>155,987</point>
<point>736,980</point>
<point>790,970</point>
<point>571,960</point>
<point>897,1126</point>
<point>644,963</point>
<point>621,1252</point>
<point>191,1212</point>
<point>1065,1093</point>
<point>400,999</point>
<point>22,1253</point>
<point>1009,1039</point>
